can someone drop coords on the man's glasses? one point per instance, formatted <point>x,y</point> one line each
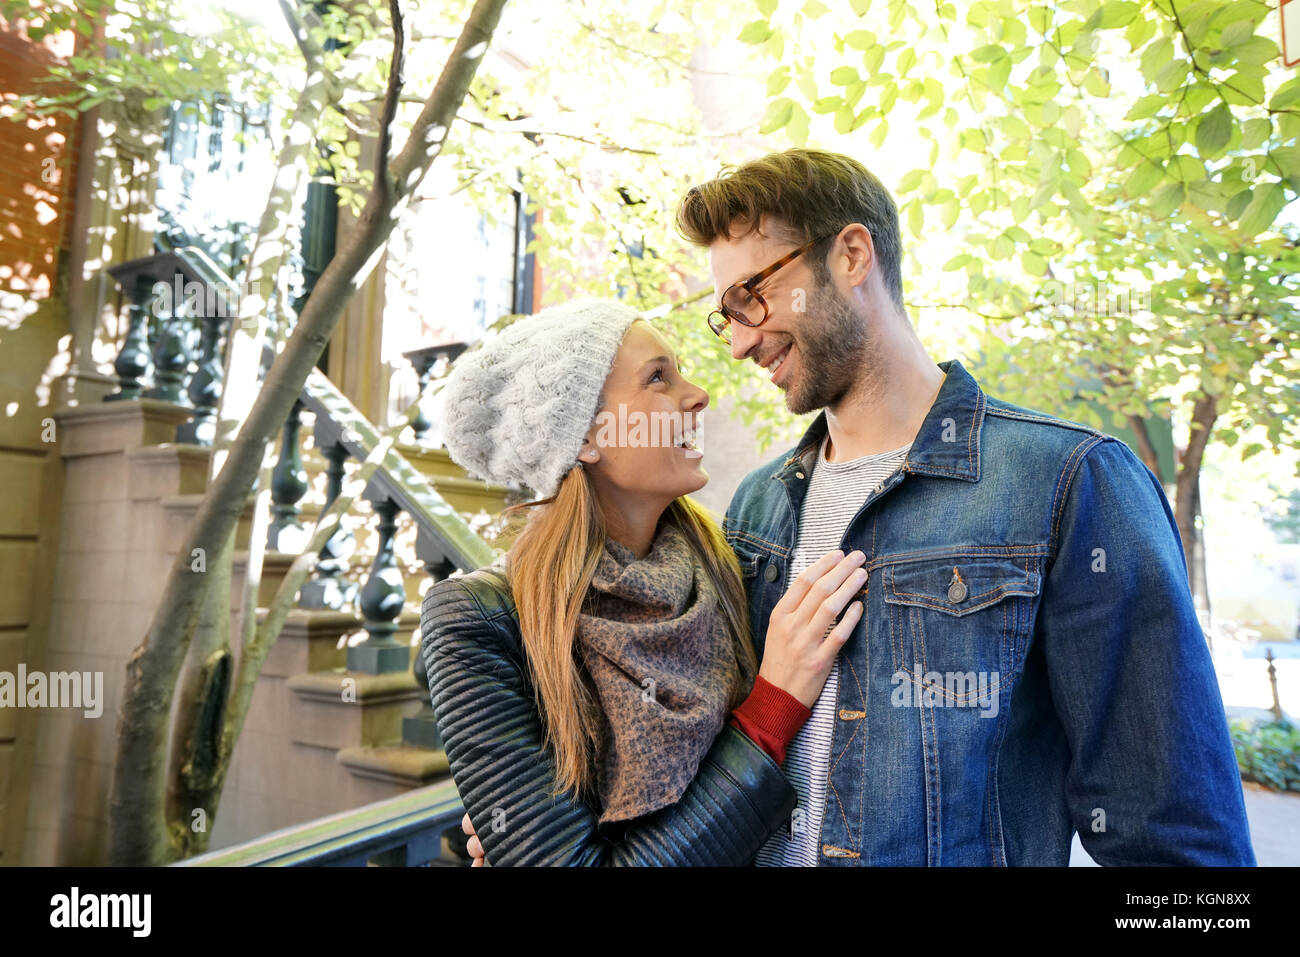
<point>742,302</point>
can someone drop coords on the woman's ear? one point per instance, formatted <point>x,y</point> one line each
<point>588,454</point>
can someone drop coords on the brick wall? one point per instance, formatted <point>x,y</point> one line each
<point>39,168</point>
<point>37,183</point>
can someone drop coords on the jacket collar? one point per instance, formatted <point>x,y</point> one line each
<point>946,446</point>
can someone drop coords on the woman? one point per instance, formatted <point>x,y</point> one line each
<point>599,698</point>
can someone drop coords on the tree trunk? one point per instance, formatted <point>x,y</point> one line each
<point>1204,413</point>
<point>1146,451</point>
<point>140,833</point>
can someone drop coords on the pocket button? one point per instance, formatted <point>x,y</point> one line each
<point>956,588</point>
<point>771,572</point>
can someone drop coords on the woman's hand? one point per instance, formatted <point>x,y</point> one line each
<point>473,845</point>
<point>798,654</point>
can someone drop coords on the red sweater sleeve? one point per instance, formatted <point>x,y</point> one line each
<point>770,718</point>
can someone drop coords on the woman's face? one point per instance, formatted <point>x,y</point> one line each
<point>641,441</point>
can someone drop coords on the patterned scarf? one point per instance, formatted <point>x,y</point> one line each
<point>665,670</point>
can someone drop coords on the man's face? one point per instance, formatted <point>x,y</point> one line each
<point>814,344</point>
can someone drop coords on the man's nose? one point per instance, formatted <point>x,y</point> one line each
<point>743,340</point>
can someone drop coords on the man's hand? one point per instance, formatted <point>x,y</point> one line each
<point>474,846</point>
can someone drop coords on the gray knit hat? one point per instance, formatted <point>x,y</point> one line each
<point>516,408</point>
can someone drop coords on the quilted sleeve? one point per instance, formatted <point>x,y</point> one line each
<point>492,733</point>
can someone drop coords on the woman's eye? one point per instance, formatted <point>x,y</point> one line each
<point>658,374</point>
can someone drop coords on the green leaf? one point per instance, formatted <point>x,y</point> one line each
<point>860,7</point>
<point>998,73</point>
<point>1167,199</point>
<point>1243,89</point>
<point>1214,130</point>
<point>1264,206</point>
<point>1140,31</point>
<point>1236,33</point>
<point>1171,76</point>
<point>910,181</point>
<point>860,39</point>
<point>1117,14</point>
<point>1256,50</point>
<point>767,7</point>
<point>1096,83</point>
<point>1288,158</point>
<point>1286,94</point>
<point>1155,57</point>
<point>1255,132</point>
<point>797,128</point>
<point>778,114</point>
<point>1034,264</point>
<point>1237,205</point>
<point>828,104</point>
<point>956,262</point>
<point>988,53</point>
<point>879,133</point>
<point>844,75</point>
<point>1147,106</point>
<point>1143,179</point>
<point>778,81</point>
<point>757,32</point>
<point>888,99</point>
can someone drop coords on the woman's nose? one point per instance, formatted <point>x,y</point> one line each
<point>696,398</point>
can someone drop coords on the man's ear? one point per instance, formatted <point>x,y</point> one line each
<point>857,252</point>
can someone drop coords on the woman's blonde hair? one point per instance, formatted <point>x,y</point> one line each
<point>551,565</point>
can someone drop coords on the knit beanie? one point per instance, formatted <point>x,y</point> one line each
<point>517,407</point>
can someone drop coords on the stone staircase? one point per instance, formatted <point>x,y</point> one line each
<point>318,738</point>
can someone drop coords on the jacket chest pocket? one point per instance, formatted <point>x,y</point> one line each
<point>959,626</point>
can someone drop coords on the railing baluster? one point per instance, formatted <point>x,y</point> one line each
<point>205,387</point>
<point>382,599</point>
<point>171,355</point>
<point>424,361</point>
<point>288,486</point>
<point>420,730</point>
<point>133,363</point>
<point>328,588</point>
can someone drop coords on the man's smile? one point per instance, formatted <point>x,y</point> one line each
<point>772,365</point>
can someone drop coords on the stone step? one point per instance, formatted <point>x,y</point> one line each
<point>341,709</point>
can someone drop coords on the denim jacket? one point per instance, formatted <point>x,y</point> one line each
<point>1030,662</point>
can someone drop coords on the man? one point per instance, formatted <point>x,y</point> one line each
<point>1029,663</point>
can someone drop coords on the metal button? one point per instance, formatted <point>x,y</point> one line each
<point>798,475</point>
<point>771,572</point>
<point>956,588</point>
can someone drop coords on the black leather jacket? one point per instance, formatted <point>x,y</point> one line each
<point>485,707</point>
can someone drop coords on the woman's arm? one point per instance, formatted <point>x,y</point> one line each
<point>492,734</point>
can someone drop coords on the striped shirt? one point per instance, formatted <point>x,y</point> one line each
<point>836,491</point>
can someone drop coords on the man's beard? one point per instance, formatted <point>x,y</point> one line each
<point>835,351</point>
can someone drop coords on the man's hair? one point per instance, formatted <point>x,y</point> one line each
<point>811,193</point>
